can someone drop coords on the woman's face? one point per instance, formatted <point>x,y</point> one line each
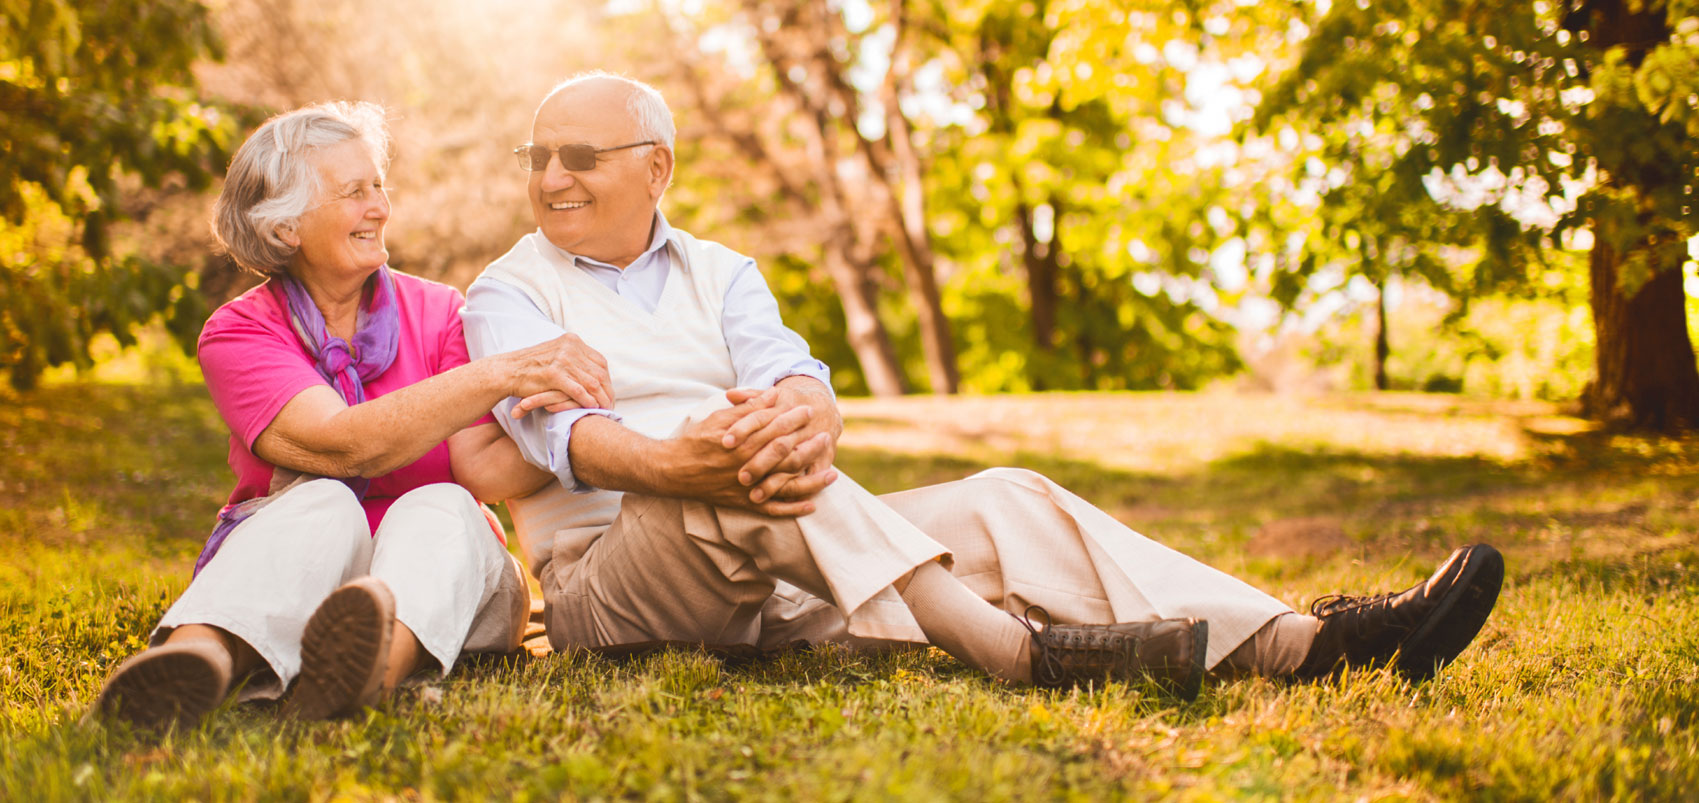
<point>341,236</point>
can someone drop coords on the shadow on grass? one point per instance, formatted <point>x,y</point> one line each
<point>93,462</point>
<point>1389,502</point>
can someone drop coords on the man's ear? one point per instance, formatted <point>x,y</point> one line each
<point>660,170</point>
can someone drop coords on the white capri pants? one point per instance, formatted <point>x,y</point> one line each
<point>455,586</point>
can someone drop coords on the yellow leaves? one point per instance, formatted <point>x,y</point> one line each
<point>1667,84</point>
<point>1032,135</point>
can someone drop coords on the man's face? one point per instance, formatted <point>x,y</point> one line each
<point>604,213</point>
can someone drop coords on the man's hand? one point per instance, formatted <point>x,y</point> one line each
<point>784,467</point>
<point>699,465</point>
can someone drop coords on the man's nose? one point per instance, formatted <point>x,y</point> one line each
<point>556,176</point>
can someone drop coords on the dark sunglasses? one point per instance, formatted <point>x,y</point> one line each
<point>580,156</point>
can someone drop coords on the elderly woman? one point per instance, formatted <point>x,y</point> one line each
<point>352,552</point>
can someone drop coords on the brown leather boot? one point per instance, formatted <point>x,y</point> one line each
<point>1425,626</point>
<point>1168,652</point>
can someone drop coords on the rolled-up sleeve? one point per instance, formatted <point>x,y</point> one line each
<point>763,349</point>
<point>499,318</point>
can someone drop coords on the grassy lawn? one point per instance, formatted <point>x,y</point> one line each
<point>1582,685</point>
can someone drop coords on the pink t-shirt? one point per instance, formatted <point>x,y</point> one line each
<point>254,364</point>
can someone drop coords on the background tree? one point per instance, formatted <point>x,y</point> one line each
<point>1036,214</point>
<point>811,52</point>
<point>1536,100</point>
<point>1085,171</point>
<point>757,166</point>
<point>95,98</point>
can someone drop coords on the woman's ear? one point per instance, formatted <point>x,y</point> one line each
<point>287,235</point>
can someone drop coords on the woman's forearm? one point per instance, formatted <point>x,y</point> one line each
<point>316,433</point>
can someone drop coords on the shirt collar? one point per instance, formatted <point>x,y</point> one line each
<point>658,240</point>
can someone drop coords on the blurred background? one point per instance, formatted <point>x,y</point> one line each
<point>978,196</point>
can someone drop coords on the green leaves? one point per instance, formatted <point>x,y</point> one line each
<point>98,97</point>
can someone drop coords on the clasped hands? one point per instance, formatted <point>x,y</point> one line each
<point>770,452</point>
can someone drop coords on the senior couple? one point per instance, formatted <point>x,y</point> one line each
<point>666,447</point>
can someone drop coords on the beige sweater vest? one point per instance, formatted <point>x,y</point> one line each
<point>662,364</point>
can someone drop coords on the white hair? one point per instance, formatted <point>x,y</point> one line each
<point>643,102</point>
<point>272,180</point>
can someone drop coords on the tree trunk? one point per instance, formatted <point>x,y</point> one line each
<point>1382,349</point>
<point>906,192</point>
<point>867,335</point>
<point>1042,272</point>
<point>1646,376</point>
<point>813,191</point>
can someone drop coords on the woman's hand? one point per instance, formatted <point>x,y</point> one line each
<point>559,374</point>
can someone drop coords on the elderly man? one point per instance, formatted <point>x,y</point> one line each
<point>697,500</point>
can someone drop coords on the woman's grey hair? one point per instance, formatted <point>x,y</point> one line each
<point>643,102</point>
<point>272,180</point>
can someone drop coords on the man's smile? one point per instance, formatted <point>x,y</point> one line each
<point>564,205</point>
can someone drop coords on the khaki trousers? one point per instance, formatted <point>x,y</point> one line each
<point>679,570</point>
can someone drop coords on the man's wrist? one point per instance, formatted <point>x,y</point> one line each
<point>805,384</point>
<point>823,401</point>
<point>657,462</point>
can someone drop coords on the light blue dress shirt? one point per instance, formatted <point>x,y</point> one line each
<point>499,318</point>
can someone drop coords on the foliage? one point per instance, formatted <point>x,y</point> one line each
<point>1075,198</point>
<point>1581,686</point>
<point>1009,131</point>
<point>1506,126</point>
<point>1501,346</point>
<point>97,96</point>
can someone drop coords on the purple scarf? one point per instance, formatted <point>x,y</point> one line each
<point>346,366</point>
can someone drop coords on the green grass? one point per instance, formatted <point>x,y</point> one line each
<point>1581,686</point>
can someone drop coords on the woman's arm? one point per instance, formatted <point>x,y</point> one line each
<point>317,433</point>
<point>487,463</point>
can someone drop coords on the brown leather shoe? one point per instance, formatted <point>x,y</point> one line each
<point>344,651</point>
<point>1168,652</point>
<point>1425,626</point>
<point>172,684</point>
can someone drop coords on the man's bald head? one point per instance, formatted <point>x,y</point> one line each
<point>640,102</point>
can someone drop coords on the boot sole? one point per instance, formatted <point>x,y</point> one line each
<point>1461,614</point>
<point>344,651</point>
<point>173,684</point>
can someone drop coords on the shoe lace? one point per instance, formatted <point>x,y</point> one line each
<point>1334,604</point>
<point>1049,667</point>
